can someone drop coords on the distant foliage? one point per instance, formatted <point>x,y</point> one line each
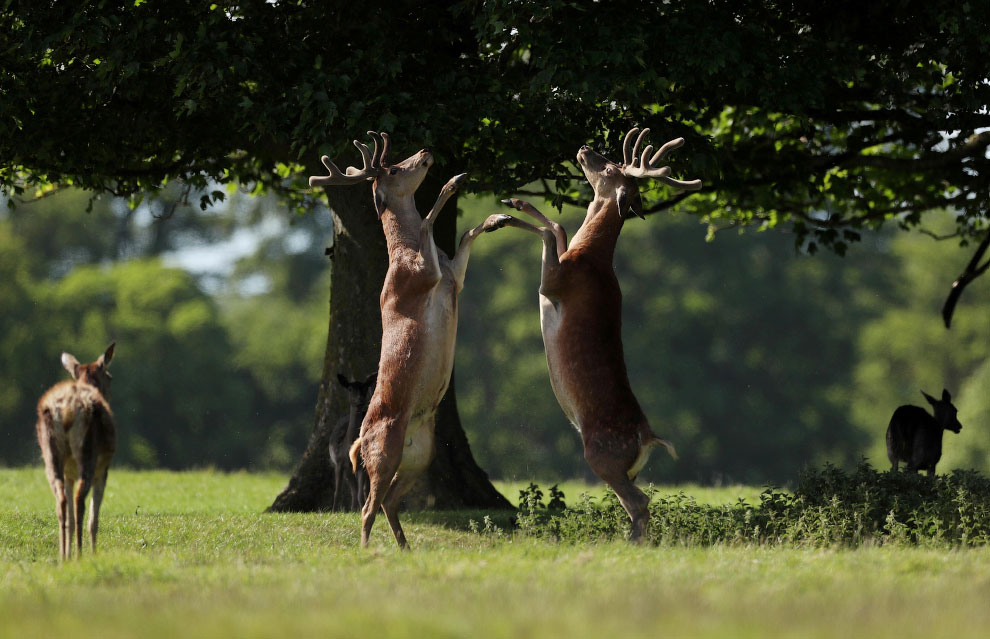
<point>828,507</point>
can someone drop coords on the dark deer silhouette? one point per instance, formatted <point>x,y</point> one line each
<point>78,437</point>
<point>350,488</point>
<point>915,437</point>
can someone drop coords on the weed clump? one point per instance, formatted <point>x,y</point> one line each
<point>828,507</point>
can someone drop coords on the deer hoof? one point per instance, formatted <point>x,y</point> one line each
<point>495,222</point>
<point>454,182</point>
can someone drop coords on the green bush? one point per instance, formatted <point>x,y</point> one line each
<point>827,507</point>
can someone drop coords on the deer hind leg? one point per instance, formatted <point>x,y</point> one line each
<point>637,506</point>
<point>401,484</point>
<point>56,480</point>
<point>338,481</point>
<point>81,492</point>
<point>361,488</point>
<point>381,450</point>
<point>69,523</point>
<point>62,514</point>
<point>99,485</point>
<point>611,464</point>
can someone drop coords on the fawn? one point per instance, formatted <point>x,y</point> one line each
<point>77,436</point>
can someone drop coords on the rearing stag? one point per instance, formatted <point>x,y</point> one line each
<point>581,319</point>
<point>419,326</point>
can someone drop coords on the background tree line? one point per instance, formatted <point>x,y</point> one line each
<point>755,358</point>
<point>829,121</point>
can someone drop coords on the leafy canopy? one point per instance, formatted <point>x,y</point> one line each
<point>821,118</point>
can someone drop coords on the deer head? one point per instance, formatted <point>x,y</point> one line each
<point>398,180</point>
<point>618,181</point>
<point>359,393</point>
<point>944,412</point>
<point>95,374</point>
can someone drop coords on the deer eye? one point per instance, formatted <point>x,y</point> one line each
<point>393,171</point>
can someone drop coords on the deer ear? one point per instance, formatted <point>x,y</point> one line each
<point>931,400</point>
<point>628,202</point>
<point>372,379</point>
<point>379,198</point>
<point>107,356</point>
<point>342,380</point>
<point>70,364</point>
<point>945,395</point>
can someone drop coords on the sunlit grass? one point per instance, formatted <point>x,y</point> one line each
<point>192,554</point>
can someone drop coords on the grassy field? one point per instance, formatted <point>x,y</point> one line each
<point>191,554</point>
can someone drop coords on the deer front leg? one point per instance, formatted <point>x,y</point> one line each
<point>427,247</point>
<point>491,223</point>
<point>560,235</point>
<point>99,485</point>
<point>554,246</point>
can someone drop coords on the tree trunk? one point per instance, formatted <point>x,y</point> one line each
<point>359,262</point>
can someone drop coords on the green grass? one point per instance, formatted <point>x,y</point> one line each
<point>191,554</point>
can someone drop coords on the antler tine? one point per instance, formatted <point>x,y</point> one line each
<point>366,158</point>
<point>627,146</point>
<point>352,175</point>
<point>676,143</point>
<point>643,166</point>
<point>689,185</point>
<point>375,158</point>
<point>386,145</point>
<point>635,149</point>
<point>379,160</point>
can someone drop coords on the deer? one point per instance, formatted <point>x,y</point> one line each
<point>353,487</point>
<point>77,436</point>
<point>581,320</point>
<point>915,437</point>
<point>419,326</point>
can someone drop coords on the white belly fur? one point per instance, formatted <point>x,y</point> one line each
<point>434,376</point>
<point>417,450</point>
<point>441,337</point>
<point>550,319</point>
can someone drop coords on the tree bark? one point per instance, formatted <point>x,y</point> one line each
<point>359,261</point>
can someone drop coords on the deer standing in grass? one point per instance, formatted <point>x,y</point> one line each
<point>77,436</point>
<point>419,327</point>
<point>915,437</point>
<point>350,488</point>
<point>581,319</point>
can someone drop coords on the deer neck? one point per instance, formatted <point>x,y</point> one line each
<point>600,230</point>
<point>401,223</point>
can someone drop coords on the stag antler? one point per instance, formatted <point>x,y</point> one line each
<point>640,167</point>
<point>373,164</point>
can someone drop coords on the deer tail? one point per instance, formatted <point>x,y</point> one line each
<point>653,440</point>
<point>353,454</point>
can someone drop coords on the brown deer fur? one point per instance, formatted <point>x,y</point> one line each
<point>419,325</point>
<point>77,437</point>
<point>581,320</point>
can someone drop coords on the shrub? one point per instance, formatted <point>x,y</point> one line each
<point>827,507</point>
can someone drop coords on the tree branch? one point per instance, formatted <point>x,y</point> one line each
<point>976,143</point>
<point>973,270</point>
